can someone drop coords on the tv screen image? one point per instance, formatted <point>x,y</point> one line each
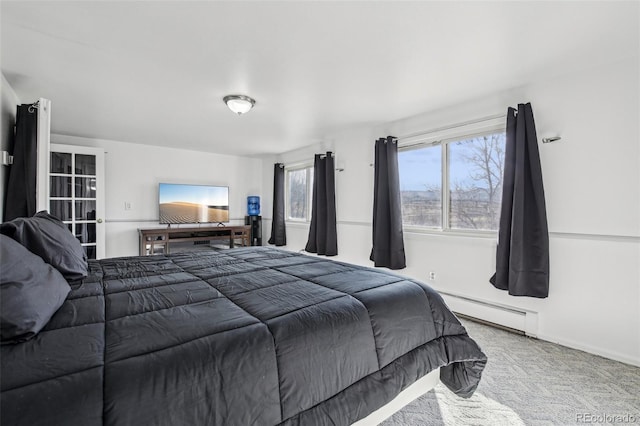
<point>181,203</point>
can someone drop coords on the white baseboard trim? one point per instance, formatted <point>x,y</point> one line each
<point>591,349</point>
<point>523,320</point>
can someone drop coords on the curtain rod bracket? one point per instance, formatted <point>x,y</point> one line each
<point>551,139</point>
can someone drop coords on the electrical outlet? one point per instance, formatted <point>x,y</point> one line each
<point>432,276</point>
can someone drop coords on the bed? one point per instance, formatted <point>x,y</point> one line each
<point>246,336</point>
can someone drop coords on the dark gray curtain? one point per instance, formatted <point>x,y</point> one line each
<point>388,243</point>
<point>323,237</point>
<point>278,232</point>
<point>20,200</point>
<point>522,261</point>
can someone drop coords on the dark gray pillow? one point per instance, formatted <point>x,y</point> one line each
<point>49,238</point>
<point>31,291</point>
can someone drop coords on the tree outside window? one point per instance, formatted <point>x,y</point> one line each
<point>473,173</point>
<point>476,167</point>
<point>299,194</point>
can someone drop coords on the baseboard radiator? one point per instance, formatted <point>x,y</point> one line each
<point>516,319</point>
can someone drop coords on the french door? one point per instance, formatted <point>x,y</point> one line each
<point>76,194</point>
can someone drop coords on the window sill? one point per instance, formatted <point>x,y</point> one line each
<point>412,230</point>
<point>300,223</point>
<point>415,230</point>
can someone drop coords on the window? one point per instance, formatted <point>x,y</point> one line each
<point>421,186</point>
<point>470,171</point>
<point>299,191</point>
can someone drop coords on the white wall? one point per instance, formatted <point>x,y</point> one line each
<point>7,121</point>
<point>133,172</point>
<point>592,185</point>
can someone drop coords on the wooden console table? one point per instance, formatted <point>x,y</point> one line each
<point>159,240</point>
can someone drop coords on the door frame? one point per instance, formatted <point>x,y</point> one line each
<point>43,137</point>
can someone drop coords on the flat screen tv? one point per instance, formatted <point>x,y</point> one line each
<point>181,203</point>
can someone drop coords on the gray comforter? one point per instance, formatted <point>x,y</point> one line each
<point>249,336</point>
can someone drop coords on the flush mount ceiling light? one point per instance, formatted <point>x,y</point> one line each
<point>239,103</point>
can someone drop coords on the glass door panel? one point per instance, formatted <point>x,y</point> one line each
<point>60,186</point>
<point>86,232</point>
<point>90,250</point>
<point>75,194</point>
<point>61,162</point>
<point>85,210</point>
<point>62,209</point>
<point>86,187</point>
<point>85,164</point>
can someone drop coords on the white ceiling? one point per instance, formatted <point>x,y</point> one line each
<point>155,72</point>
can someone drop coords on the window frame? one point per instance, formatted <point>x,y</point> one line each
<point>308,166</point>
<point>443,143</point>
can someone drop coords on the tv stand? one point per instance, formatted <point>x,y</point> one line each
<point>159,240</point>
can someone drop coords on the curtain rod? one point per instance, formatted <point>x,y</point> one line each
<point>453,126</point>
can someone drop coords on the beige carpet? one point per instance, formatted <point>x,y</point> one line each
<point>532,382</point>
